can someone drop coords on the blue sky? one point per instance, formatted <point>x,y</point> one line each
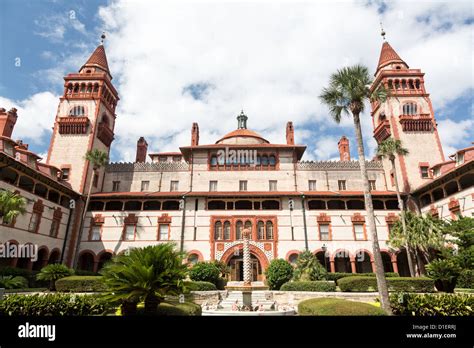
<point>175,63</point>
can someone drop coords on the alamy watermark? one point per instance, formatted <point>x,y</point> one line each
<point>10,250</point>
<point>242,156</point>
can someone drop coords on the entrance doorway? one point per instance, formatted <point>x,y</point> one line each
<point>236,264</point>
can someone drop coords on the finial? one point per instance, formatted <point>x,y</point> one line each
<point>382,32</point>
<point>102,38</point>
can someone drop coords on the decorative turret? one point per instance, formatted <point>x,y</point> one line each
<point>290,134</point>
<point>343,146</point>
<point>242,121</point>
<point>142,148</point>
<point>195,134</point>
<point>7,122</point>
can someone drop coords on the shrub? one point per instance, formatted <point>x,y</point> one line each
<point>278,273</point>
<point>26,273</point>
<point>369,284</point>
<point>179,309</point>
<point>81,284</point>
<point>54,272</point>
<point>445,273</point>
<point>466,279</point>
<point>335,306</point>
<point>221,283</point>
<point>308,267</point>
<point>13,282</point>
<point>81,272</point>
<point>200,286</point>
<point>320,285</point>
<point>205,272</point>
<point>52,305</point>
<point>432,304</point>
<point>338,275</point>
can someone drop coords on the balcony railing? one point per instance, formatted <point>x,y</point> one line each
<point>73,125</point>
<point>417,123</point>
<point>104,134</point>
<point>382,131</point>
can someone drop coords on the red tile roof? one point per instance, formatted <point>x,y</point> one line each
<point>242,133</point>
<point>99,59</point>
<point>388,55</point>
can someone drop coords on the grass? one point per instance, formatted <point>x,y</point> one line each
<point>334,307</point>
<point>9,291</point>
<point>470,291</point>
<point>169,308</point>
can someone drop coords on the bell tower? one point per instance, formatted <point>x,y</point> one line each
<point>406,115</point>
<point>84,121</point>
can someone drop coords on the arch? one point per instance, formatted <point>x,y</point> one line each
<point>216,205</point>
<point>24,262</point>
<point>77,110</point>
<point>41,190</point>
<point>86,260</point>
<point>239,225</point>
<point>41,259</point>
<point>195,252</point>
<point>323,258</point>
<point>336,204</point>
<point>387,261</point>
<point>466,181</point>
<point>342,261</point>
<point>451,188</point>
<point>152,205</point>
<point>8,175</point>
<point>243,205</point>
<point>363,260</point>
<point>218,230</point>
<point>355,204</point>
<point>425,200</point>
<point>54,256</point>
<point>170,205</point>
<point>270,205</point>
<point>26,183</point>
<point>260,230</point>
<point>316,204</point>
<point>291,254</point>
<point>114,205</point>
<point>133,205</point>
<point>105,120</point>
<point>391,204</point>
<point>438,194</point>
<point>103,257</point>
<point>402,262</point>
<point>229,253</point>
<point>378,204</point>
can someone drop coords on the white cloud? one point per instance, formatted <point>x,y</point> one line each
<point>35,117</point>
<point>326,148</point>
<point>53,27</point>
<point>454,134</point>
<point>270,59</point>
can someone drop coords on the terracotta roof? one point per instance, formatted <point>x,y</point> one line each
<point>388,55</point>
<point>98,59</point>
<point>166,154</point>
<point>242,133</point>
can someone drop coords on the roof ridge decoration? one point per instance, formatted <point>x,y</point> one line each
<point>146,167</point>
<point>318,165</point>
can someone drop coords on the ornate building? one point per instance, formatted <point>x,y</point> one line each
<point>204,195</point>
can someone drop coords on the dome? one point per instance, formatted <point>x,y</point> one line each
<point>242,135</point>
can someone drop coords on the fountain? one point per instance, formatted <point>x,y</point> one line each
<point>247,297</point>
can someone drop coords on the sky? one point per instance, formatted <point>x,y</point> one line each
<point>178,62</point>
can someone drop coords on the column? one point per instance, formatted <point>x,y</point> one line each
<point>246,253</point>
<point>333,266</point>
<point>353,266</point>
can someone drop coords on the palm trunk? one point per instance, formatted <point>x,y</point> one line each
<point>404,224</point>
<point>76,253</point>
<point>379,270</point>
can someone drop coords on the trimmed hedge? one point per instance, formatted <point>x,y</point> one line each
<point>278,273</point>
<point>317,285</point>
<point>338,275</point>
<point>205,272</point>
<point>179,309</point>
<point>432,304</point>
<point>466,279</point>
<point>81,284</point>
<point>369,284</point>
<point>52,305</point>
<point>336,306</point>
<point>200,286</point>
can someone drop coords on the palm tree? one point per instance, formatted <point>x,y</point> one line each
<point>389,148</point>
<point>308,268</point>
<point>347,93</point>
<point>11,205</point>
<point>54,272</point>
<point>97,159</point>
<point>423,234</point>
<point>144,274</point>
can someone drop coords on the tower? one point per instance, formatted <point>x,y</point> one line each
<point>84,121</point>
<point>195,134</point>
<point>290,133</point>
<point>343,146</point>
<point>142,148</point>
<point>406,115</point>
<point>7,122</point>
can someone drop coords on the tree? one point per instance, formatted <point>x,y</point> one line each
<point>54,272</point>
<point>97,159</point>
<point>389,148</point>
<point>308,268</point>
<point>11,205</point>
<point>423,235</point>
<point>144,274</point>
<point>278,273</point>
<point>347,93</point>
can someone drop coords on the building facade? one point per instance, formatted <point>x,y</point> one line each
<point>202,196</point>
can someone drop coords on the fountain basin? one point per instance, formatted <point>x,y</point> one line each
<point>226,312</point>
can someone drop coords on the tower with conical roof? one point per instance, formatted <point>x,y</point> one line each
<point>406,115</point>
<point>84,121</point>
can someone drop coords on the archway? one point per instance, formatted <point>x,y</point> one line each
<point>387,262</point>
<point>342,261</point>
<point>235,253</point>
<point>324,261</point>
<point>41,260</point>
<point>54,257</point>
<point>363,262</point>
<point>402,262</point>
<point>86,262</point>
<point>103,258</point>
<point>236,264</point>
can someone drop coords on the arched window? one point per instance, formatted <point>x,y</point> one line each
<point>78,110</point>
<point>409,109</point>
<point>248,225</point>
<point>218,230</point>
<point>269,231</point>
<point>105,120</point>
<point>264,160</point>
<point>238,230</point>
<point>260,230</point>
<point>258,161</point>
<point>271,160</point>
<point>227,230</point>
<point>193,259</point>
<point>214,161</point>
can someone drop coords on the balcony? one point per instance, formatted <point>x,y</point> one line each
<point>382,131</point>
<point>73,125</point>
<point>417,123</point>
<point>104,134</point>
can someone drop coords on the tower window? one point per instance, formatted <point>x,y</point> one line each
<point>410,109</point>
<point>459,158</point>
<point>213,185</point>
<point>144,186</point>
<point>77,111</point>
<point>243,185</point>
<point>312,185</point>
<point>424,172</point>
<point>115,186</point>
<point>342,185</point>
<point>174,186</point>
<point>65,172</point>
<point>372,185</point>
<point>272,185</point>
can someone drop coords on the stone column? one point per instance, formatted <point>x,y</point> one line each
<point>353,266</point>
<point>246,250</point>
<point>333,266</point>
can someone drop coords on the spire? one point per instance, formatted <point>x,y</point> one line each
<point>242,120</point>
<point>388,55</point>
<point>98,59</point>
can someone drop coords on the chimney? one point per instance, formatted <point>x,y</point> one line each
<point>195,135</point>
<point>7,122</point>
<point>343,146</point>
<point>142,147</point>
<point>290,134</point>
